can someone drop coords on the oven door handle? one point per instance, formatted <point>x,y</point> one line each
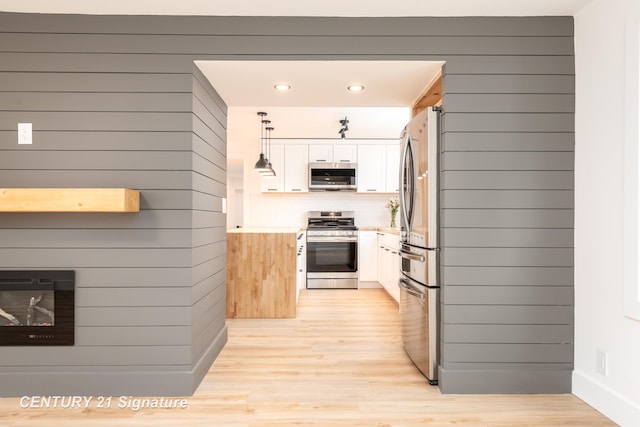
<point>412,256</point>
<point>331,239</point>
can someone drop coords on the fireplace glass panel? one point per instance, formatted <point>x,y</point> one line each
<point>27,308</point>
<point>37,307</point>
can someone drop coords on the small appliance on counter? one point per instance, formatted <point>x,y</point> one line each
<point>332,250</point>
<point>419,244</point>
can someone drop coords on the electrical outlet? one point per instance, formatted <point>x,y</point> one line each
<point>24,133</point>
<point>601,362</point>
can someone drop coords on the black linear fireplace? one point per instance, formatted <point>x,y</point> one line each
<point>37,307</point>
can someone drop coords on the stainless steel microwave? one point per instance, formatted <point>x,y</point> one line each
<point>332,177</point>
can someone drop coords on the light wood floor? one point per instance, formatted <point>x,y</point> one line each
<point>339,363</point>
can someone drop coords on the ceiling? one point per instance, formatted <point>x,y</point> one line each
<point>301,7</point>
<point>320,83</point>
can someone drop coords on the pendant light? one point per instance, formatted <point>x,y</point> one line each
<point>261,164</point>
<point>267,154</point>
<point>270,172</point>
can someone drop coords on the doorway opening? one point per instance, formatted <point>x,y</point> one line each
<point>310,110</point>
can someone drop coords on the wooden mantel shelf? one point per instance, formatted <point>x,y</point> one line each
<point>69,200</point>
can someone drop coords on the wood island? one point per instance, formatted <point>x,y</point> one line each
<point>261,273</point>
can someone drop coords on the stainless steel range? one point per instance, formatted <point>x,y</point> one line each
<point>332,250</point>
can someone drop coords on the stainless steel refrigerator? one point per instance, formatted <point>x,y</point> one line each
<point>420,247</point>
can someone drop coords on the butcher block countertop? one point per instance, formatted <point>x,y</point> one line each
<point>261,273</point>
<point>265,230</point>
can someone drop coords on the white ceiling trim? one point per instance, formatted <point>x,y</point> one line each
<point>347,8</point>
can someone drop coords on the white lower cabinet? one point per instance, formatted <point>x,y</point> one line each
<point>389,263</point>
<point>367,256</point>
<point>379,260</point>
<point>301,262</point>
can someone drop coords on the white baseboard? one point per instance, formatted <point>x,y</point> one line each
<point>369,285</point>
<point>618,408</point>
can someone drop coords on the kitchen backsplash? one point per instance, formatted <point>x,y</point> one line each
<point>276,210</point>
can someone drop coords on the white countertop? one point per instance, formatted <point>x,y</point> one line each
<point>390,230</point>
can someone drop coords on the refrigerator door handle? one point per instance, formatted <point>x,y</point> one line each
<point>406,184</point>
<point>412,256</point>
<point>406,286</point>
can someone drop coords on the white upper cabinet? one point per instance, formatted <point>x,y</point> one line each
<point>347,153</point>
<point>378,168</point>
<point>274,184</point>
<point>337,153</point>
<point>296,178</point>
<point>371,177</point>
<point>290,165</point>
<point>377,165</point>
<point>392,183</point>
<point>320,153</point>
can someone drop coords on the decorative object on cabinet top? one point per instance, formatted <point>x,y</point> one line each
<point>345,127</point>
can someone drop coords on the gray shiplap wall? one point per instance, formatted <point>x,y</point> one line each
<point>116,101</point>
<point>209,178</point>
<point>507,225</point>
<point>150,286</point>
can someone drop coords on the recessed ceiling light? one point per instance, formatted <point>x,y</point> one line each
<point>355,88</point>
<point>282,87</point>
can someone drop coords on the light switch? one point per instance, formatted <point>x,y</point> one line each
<point>24,133</point>
<point>224,205</point>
